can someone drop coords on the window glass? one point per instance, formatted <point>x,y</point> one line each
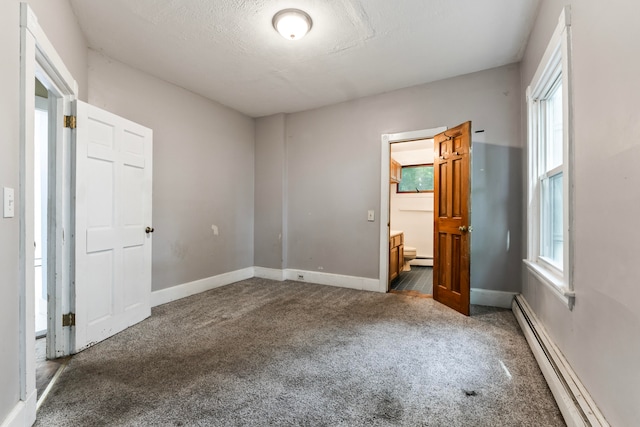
<point>554,126</point>
<point>551,166</point>
<point>416,179</point>
<point>552,213</point>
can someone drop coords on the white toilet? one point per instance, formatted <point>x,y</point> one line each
<point>409,254</point>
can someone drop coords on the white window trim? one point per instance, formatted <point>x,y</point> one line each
<point>558,53</point>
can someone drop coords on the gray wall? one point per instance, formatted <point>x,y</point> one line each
<point>203,163</point>
<point>269,191</point>
<point>333,172</point>
<point>601,336</point>
<point>58,21</point>
<point>496,240</point>
<point>9,228</point>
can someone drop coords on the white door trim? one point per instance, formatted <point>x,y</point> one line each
<point>387,140</point>
<point>38,57</point>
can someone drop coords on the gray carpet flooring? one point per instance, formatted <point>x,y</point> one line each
<point>260,352</point>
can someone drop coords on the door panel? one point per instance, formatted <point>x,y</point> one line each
<point>443,200</point>
<point>456,191</point>
<point>456,255</point>
<point>113,208</point>
<point>100,305</point>
<point>452,244</point>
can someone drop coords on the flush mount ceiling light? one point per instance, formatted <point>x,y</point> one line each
<point>292,24</point>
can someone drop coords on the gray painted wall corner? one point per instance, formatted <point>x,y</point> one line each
<point>269,191</point>
<point>496,195</point>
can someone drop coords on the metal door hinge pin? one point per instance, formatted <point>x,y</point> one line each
<point>70,122</point>
<point>69,319</point>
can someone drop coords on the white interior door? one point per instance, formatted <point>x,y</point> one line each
<point>113,209</point>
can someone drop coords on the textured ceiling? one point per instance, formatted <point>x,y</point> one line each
<point>228,51</point>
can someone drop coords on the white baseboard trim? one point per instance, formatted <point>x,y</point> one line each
<point>575,403</point>
<point>269,273</point>
<point>23,414</point>
<point>174,293</point>
<point>491,298</point>
<point>177,292</point>
<point>163,296</point>
<point>339,280</point>
<point>425,262</point>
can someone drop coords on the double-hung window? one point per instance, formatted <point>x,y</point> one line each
<point>549,177</point>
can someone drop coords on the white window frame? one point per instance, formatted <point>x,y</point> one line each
<point>555,61</point>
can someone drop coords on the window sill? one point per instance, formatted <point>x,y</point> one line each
<point>557,285</point>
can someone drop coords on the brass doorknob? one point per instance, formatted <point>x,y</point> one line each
<point>148,230</point>
<point>462,228</point>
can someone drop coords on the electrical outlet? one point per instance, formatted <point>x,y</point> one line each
<point>300,276</point>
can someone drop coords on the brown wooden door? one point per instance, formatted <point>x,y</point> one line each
<point>451,201</point>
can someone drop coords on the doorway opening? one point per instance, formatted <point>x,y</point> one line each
<point>390,258</point>
<point>451,173</point>
<point>48,231</point>
<point>45,224</point>
<point>40,204</point>
<point>411,217</point>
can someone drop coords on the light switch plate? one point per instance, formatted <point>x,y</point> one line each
<point>371,216</point>
<point>9,202</point>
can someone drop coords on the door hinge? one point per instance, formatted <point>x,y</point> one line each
<point>69,319</point>
<point>70,122</point>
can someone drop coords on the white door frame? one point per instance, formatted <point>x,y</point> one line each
<point>38,59</point>
<point>387,140</point>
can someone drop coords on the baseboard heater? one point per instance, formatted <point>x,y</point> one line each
<point>577,407</point>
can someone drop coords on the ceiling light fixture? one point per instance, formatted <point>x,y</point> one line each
<point>292,24</point>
